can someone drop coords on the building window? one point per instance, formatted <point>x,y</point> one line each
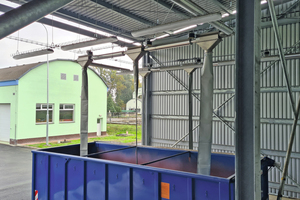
<point>66,113</point>
<point>63,76</point>
<point>75,78</point>
<point>41,113</point>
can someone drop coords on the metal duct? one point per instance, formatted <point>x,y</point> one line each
<point>177,25</point>
<point>26,14</point>
<point>206,104</point>
<point>84,105</point>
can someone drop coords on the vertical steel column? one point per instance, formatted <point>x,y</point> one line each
<point>208,43</point>
<point>84,61</point>
<point>247,137</point>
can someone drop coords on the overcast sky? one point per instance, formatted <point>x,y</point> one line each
<point>37,32</point>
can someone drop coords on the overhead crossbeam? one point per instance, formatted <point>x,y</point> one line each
<point>54,23</point>
<point>26,14</point>
<point>122,11</point>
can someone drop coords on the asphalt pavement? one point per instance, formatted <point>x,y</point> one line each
<point>15,173</point>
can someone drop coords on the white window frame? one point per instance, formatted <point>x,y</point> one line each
<point>44,109</point>
<point>67,109</point>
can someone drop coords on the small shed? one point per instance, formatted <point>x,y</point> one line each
<point>131,105</point>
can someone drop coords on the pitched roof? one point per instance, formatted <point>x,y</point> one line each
<point>16,72</point>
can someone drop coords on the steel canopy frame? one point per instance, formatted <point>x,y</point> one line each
<point>29,12</point>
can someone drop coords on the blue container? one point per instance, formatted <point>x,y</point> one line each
<point>110,172</point>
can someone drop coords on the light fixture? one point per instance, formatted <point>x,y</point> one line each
<point>185,28</point>
<point>177,25</point>
<point>160,37</point>
<point>234,12</point>
<point>225,15</point>
<point>33,53</point>
<point>109,55</point>
<point>88,43</point>
<point>263,2</point>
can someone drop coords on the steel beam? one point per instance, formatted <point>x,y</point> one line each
<point>289,151</point>
<point>247,137</point>
<point>175,10</point>
<point>122,11</point>
<point>67,27</point>
<point>289,9</point>
<point>281,53</point>
<point>196,10</point>
<point>24,15</point>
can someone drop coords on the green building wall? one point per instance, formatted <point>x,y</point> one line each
<point>9,95</point>
<point>32,89</point>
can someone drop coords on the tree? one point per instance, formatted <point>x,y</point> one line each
<point>120,86</point>
<point>110,104</point>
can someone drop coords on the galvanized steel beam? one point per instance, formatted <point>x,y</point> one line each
<point>288,152</point>
<point>247,137</point>
<point>196,10</point>
<point>122,11</point>
<point>289,9</point>
<point>24,15</point>
<point>281,53</point>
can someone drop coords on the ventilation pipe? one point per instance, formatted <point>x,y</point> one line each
<point>84,61</point>
<point>135,54</point>
<point>207,43</point>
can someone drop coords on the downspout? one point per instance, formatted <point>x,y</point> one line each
<point>29,12</point>
<point>84,61</point>
<point>16,113</point>
<point>145,135</point>
<point>190,71</point>
<point>207,43</point>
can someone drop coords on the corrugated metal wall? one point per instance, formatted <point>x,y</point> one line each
<point>169,115</point>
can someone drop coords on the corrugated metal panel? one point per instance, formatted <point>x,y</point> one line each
<point>276,113</point>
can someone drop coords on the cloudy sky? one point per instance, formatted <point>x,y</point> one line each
<point>36,32</point>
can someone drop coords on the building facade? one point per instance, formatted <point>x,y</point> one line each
<point>23,102</point>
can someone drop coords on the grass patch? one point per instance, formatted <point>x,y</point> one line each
<point>112,131</point>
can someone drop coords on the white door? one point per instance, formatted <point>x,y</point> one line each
<point>5,122</point>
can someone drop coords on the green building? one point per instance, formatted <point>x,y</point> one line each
<point>23,102</point>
